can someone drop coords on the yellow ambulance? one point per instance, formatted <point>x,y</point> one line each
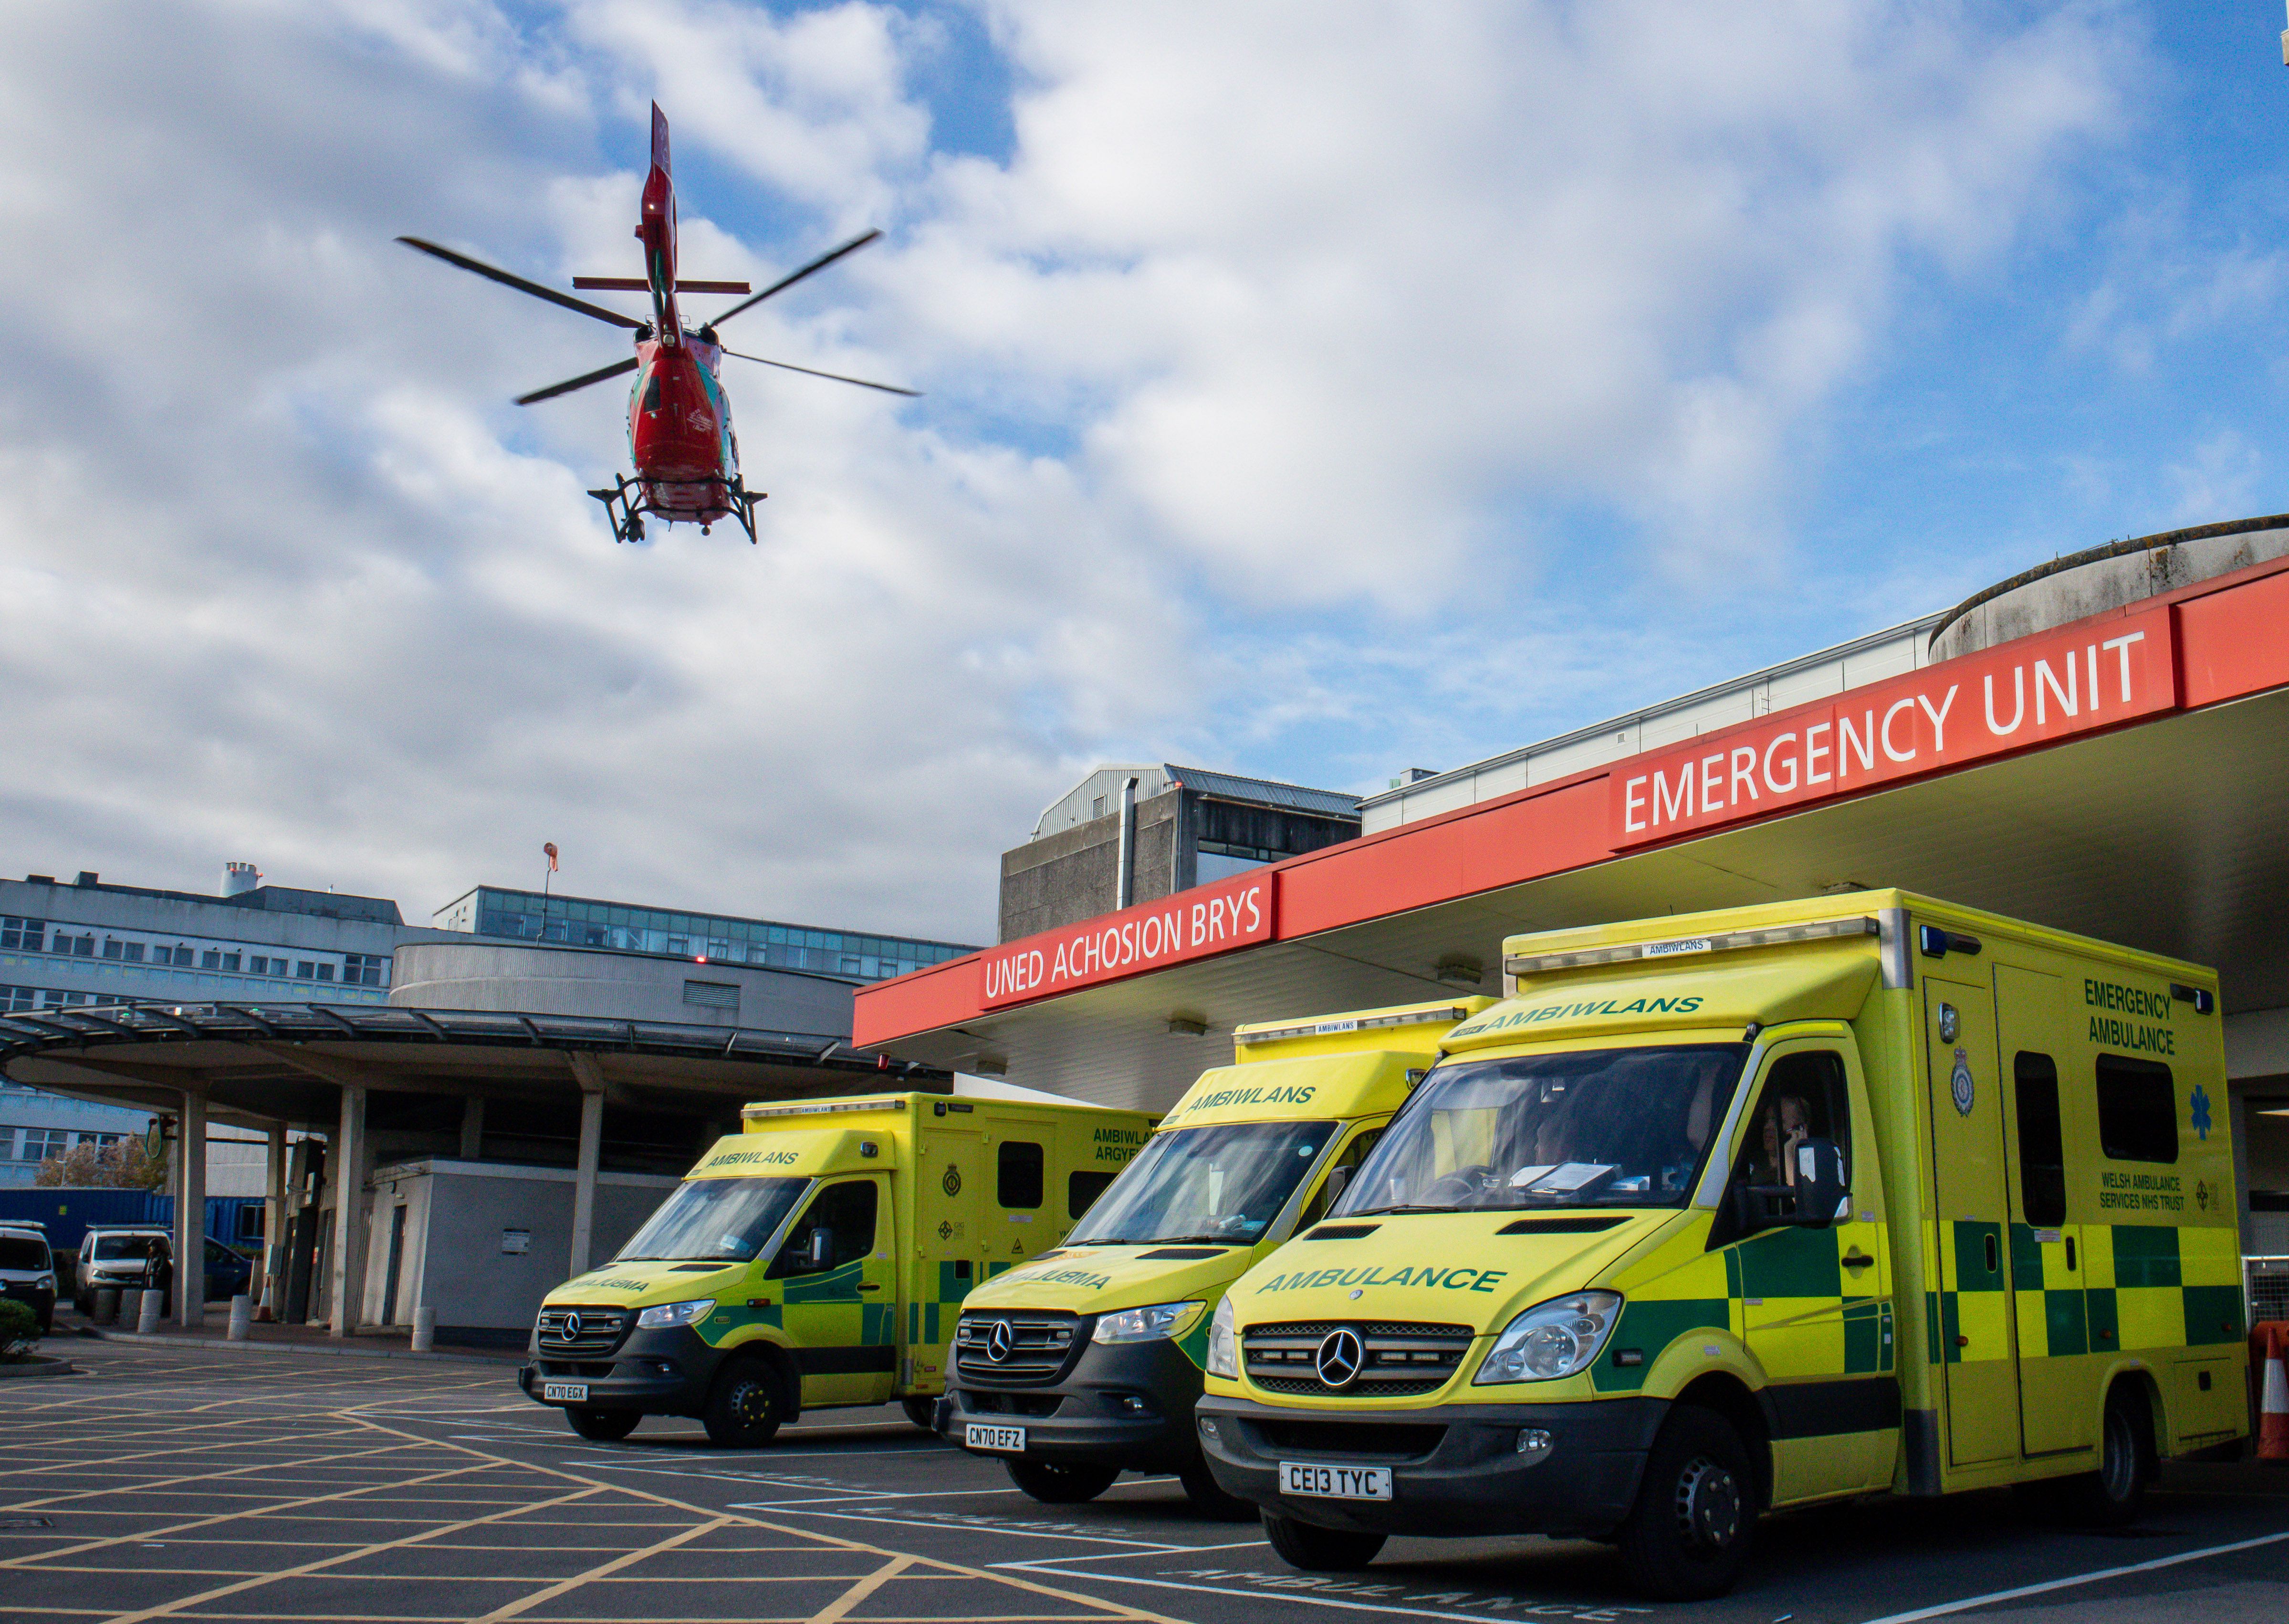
<point>819,1258</point>
<point>1727,1212</point>
<point>1088,1362</point>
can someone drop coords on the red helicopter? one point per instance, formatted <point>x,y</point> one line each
<point>679,438</point>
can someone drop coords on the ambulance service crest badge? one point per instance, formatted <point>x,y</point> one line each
<point>1959,1084</point>
<point>951,1183</point>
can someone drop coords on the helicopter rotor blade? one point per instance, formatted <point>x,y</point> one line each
<point>791,278</point>
<point>510,279</point>
<point>581,382</point>
<point>886,388</point>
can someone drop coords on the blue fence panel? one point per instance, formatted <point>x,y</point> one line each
<point>66,1212</point>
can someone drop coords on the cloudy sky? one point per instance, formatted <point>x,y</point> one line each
<point>1313,390</point>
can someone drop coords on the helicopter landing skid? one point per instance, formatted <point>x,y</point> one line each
<point>627,518</point>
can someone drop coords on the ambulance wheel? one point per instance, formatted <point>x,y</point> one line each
<point>745,1409</point>
<point>1208,1497</point>
<point>919,1411</point>
<point>1061,1485</point>
<point>603,1426</point>
<point>1321,1550</point>
<point>2116,1493</point>
<point>1687,1536</point>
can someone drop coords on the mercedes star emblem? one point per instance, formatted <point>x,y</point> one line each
<point>998,1342</point>
<point>572,1325</point>
<point>1340,1357</point>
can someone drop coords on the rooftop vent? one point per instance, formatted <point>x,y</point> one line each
<point>239,878</point>
<point>86,877</point>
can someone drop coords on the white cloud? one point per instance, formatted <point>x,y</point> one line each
<point>1244,364</point>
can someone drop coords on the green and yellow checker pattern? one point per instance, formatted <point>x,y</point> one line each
<point>2137,1286</point>
<point>823,1310</point>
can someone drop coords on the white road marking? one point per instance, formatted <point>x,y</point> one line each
<point>1943,1609</point>
<point>1306,1589</point>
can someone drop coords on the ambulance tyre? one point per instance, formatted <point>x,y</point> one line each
<point>1321,1550</point>
<point>1208,1497</point>
<point>2116,1493</point>
<point>919,1411</point>
<point>1061,1485</point>
<point>745,1409</point>
<point>603,1426</point>
<point>1687,1536</point>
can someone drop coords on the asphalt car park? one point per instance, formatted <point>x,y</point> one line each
<point>191,1483</point>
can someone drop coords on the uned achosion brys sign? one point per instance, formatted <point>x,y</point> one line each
<point>2030,691</point>
<point>1195,924</point>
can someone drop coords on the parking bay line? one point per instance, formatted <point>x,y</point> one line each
<point>1943,1609</point>
<point>1283,1593</point>
<point>1143,1546</point>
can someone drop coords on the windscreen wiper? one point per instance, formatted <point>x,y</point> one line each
<point>1379,1212</point>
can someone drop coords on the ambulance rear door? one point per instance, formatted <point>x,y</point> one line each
<point>949,1187</point>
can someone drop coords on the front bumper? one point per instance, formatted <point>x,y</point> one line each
<point>666,1371</point>
<point>1454,1469</point>
<point>1127,1404</point>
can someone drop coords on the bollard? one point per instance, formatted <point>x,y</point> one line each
<point>147,1316</point>
<point>241,1315</point>
<point>425,1328</point>
<point>131,1305</point>
<point>106,1306</point>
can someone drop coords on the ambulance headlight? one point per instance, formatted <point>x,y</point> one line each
<point>1162,1319</point>
<point>675,1314</point>
<point>1224,1344</point>
<point>1558,1338</point>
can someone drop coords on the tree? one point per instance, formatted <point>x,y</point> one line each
<point>123,1165</point>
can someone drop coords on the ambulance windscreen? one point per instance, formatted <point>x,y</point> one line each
<point>713,1220</point>
<point>1604,1127</point>
<point>1220,1186</point>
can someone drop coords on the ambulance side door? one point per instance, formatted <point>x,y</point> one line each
<point>949,1187</point>
<point>2058,1397</point>
<point>1813,1299</point>
<point>837,1285</point>
<point>1023,1222</point>
<point>1972,1317</point>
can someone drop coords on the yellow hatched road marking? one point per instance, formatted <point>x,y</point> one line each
<point>840,1606</point>
<point>523,1605</point>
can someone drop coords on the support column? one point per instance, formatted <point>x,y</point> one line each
<point>191,1213</point>
<point>473,1128</point>
<point>584,1176</point>
<point>345,1163</point>
<point>271,1298</point>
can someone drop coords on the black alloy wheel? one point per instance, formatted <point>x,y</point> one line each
<point>603,1425</point>
<point>1321,1550</point>
<point>1061,1485</point>
<point>1687,1536</point>
<point>745,1407</point>
<point>2115,1494</point>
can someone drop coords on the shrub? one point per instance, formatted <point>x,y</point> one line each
<point>20,1328</point>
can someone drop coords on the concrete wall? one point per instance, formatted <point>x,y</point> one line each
<point>455,1212</point>
<point>533,979</point>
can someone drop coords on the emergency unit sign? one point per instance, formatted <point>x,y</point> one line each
<point>1195,924</point>
<point>2037,691</point>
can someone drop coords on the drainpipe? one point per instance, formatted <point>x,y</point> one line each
<point>1124,873</point>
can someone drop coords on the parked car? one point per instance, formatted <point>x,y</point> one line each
<point>117,1255</point>
<point>28,1271</point>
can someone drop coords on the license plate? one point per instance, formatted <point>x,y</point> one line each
<point>1008,1440</point>
<point>564,1392</point>
<point>1335,1482</point>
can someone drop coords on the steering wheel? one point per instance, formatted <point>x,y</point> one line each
<point>1456,1188</point>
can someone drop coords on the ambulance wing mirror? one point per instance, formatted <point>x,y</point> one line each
<point>1338,1181</point>
<point>1821,1190</point>
<point>820,1252</point>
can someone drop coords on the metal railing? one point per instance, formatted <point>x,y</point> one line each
<point>2265,1288</point>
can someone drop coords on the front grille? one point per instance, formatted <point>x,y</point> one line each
<point>600,1330</point>
<point>594,1369</point>
<point>1040,1348</point>
<point>1353,1439</point>
<point>1400,1360</point>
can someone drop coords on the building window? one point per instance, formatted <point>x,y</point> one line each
<point>26,934</point>
<point>38,1144</point>
<point>82,946</point>
<point>211,959</point>
<point>230,961</point>
<point>113,947</point>
<point>1096,807</point>
<point>305,971</point>
<point>325,973</point>
<point>364,969</point>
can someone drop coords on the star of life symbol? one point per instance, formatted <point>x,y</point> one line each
<point>2201,1113</point>
<point>1959,1084</point>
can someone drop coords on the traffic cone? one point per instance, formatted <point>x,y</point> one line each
<point>2273,1402</point>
